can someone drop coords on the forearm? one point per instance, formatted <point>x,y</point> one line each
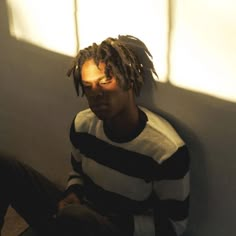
<point>156,225</point>
<point>75,181</point>
<point>144,225</point>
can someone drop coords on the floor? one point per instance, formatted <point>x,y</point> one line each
<point>14,224</point>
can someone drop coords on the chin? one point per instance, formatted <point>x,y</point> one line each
<point>102,116</point>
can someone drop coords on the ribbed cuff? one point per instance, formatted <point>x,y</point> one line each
<point>75,188</point>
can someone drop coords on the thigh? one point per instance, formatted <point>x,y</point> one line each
<point>32,195</point>
<point>76,220</point>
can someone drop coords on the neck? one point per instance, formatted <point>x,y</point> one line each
<point>124,124</point>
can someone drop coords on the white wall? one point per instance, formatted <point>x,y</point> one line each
<point>208,126</point>
<point>37,104</point>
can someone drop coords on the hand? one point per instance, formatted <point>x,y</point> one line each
<point>71,198</point>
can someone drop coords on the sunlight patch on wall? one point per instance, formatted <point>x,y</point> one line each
<point>51,24</point>
<point>203,55</point>
<point>145,19</point>
<point>202,58</point>
<point>45,23</point>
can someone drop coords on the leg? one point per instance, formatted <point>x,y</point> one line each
<point>74,220</point>
<point>30,194</point>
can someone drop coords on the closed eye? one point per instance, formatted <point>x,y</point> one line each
<point>102,81</point>
<point>105,80</point>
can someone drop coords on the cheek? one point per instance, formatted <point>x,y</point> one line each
<point>119,99</point>
<point>114,95</point>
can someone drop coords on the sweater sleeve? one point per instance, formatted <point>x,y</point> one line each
<point>75,181</point>
<point>171,188</point>
<point>170,200</point>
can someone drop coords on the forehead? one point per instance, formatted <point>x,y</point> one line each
<point>91,72</point>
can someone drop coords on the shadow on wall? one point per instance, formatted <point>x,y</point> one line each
<point>37,104</point>
<point>207,124</point>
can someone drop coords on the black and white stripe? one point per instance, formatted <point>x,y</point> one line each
<point>123,177</point>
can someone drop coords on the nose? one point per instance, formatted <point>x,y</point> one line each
<point>95,91</point>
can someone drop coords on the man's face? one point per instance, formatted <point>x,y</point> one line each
<point>105,96</point>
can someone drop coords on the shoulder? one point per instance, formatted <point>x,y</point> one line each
<point>160,136</point>
<point>83,120</point>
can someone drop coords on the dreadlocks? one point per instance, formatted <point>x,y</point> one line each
<point>126,58</point>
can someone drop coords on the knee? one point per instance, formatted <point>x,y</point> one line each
<point>5,164</point>
<point>74,212</point>
<point>6,160</point>
<point>77,220</point>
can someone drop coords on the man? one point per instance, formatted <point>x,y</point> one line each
<point>130,169</point>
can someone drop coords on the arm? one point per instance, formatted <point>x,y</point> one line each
<point>75,182</point>
<point>74,190</point>
<point>170,198</point>
<point>172,190</point>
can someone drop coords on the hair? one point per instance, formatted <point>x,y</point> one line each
<point>126,58</point>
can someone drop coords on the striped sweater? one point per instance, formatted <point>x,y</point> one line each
<point>146,177</point>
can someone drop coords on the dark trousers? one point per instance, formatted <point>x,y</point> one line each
<point>35,198</point>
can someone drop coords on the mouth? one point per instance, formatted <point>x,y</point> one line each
<point>99,107</point>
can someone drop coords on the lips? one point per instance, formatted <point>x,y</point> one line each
<point>98,107</point>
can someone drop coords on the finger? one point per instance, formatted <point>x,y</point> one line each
<point>61,205</point>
